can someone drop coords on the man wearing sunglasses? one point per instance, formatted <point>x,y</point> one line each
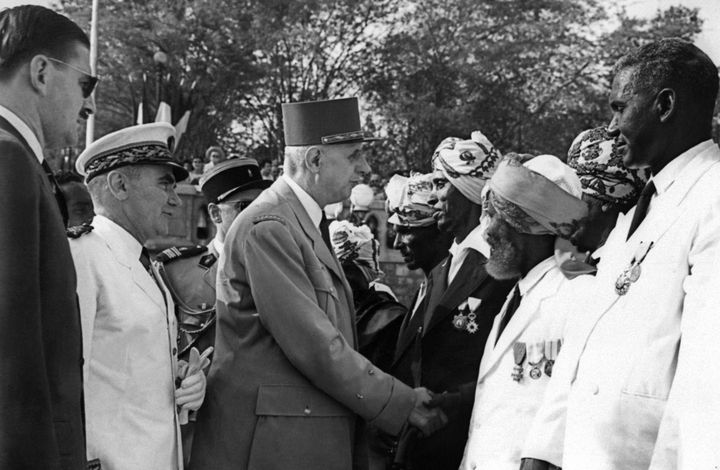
<point>44,94</point>
<point>190,272</point>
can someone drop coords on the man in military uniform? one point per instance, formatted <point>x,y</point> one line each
<point>190,272</point>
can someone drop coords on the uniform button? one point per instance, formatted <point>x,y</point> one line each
<point>359,396</point>
<point>307,410</point>
<point>174,351</point>
<point>371,372</point>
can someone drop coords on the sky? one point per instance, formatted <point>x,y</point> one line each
<point>708,40</point>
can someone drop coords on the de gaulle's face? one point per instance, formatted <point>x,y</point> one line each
<point>342,167</point>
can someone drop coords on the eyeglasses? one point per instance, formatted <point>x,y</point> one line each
<point>88,84</point>
<point>238,206</point>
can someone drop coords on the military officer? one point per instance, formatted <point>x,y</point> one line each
<point>133,386</point>
<point>190,272</point>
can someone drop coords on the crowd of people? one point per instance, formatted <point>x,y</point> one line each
<point>567,317</point>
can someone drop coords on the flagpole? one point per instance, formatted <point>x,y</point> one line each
<point>90,129</point>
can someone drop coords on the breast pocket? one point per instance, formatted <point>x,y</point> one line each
<point>323,285</point>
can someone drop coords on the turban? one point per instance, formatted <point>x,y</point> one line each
<point>593,155</point>
<point>361,197</point>
<point>467,164</point>
<point>357,245</point>
<point>539,197</point>
<point>407,200</point>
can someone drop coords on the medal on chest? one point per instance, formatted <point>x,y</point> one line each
<point>465,318</point>
<point>519,352</point>
<point>632,273</point>
<point>552,349</point>
<point>535,357</point>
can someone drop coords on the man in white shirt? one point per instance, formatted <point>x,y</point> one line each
<point>45,92</point>
<point>528,207</point>
<point>634,388</point>
<point>287,387</point>
<point>133,385</point>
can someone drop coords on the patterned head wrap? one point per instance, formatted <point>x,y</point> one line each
<point>593,155</point>
<point>407,200</point>
<point>357,245</point>
<point>467,164</point>
<point>539,197</point>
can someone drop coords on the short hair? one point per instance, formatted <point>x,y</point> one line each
<point>677,64</point>
<point>212,149</point>
<point>28,30</point>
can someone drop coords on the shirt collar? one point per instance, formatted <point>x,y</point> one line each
<point>475,240</point>
<point>311,206</point>
<point>217,246</point>
<point>129,246</point>
<point>665,178</point>
<point>534,276</point>
<point>24,131</point>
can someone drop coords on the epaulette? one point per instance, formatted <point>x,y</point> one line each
<point>179,252</point>
<point>262,218</point>
<point>79,230</point>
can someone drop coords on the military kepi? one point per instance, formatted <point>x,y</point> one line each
<point>323,122</point>
<point>230,177</point>
<point>145,144</point>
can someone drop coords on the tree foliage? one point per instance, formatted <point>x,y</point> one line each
<point>529,74</point>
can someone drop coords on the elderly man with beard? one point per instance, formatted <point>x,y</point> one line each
<point>443,352</point>
<point>528,206</point>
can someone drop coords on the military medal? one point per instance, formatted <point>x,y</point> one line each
<point>535,356</point>
<point>632,273</point>
<point>472,305</point>
<point>552,349</point>
<point>518,357</point>
<point>459,321</point>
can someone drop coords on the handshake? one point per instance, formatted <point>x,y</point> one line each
<point>428,415</point>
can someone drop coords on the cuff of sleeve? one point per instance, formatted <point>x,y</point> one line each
<point>395,413</point>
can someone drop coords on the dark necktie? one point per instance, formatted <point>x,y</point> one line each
<point>59,197</point>
<point>513,305</point>
<point>145,261</point>
<point>325,231</point>
<point>641,209</point>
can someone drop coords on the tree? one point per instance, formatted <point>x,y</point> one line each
<point>530,75</point>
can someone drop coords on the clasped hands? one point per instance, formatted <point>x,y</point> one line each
<point>427,416</point>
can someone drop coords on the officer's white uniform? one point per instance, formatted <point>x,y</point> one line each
<point>129,341</point>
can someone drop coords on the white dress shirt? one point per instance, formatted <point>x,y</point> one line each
<point>313,209</point>
<point>474,240</point>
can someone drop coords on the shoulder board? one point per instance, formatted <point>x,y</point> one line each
<point>262,218</point>
<point>208,260</point>
<point>78,230</point>
<point>179,252</point>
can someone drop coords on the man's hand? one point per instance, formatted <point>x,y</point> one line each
<point>445,400</point>
<point>191,392</point>
<point>425,419</point>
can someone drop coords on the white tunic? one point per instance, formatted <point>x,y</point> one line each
<point>607,399</point>
<point>129,342</point>
<point>504,408</point>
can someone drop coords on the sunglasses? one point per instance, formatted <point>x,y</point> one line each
<point>87,85</point>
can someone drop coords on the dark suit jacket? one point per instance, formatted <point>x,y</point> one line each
<point>435,354</point>
<point>41,401</point>
<point>286,385</point>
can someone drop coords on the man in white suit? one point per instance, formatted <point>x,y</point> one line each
<point>132,387</point>
<point>528,205</point>
<point>625,394</point>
